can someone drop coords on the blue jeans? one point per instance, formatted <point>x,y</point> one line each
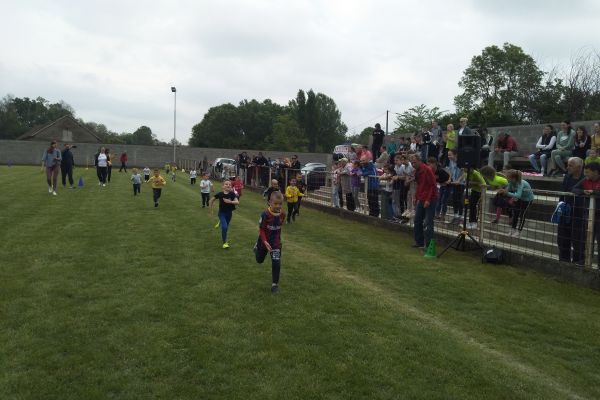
<point>424,216</point>
<point>543,161</point>
<point>442,204</point>
<point>224,219</point>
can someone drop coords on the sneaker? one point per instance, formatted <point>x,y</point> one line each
<point>72,187</point>
<point>225,245</point>
<point>155,204</point>
<point>274,289</point>
<point>104,185</point>
<point>53,193</point>
<point>99,183</point>
<point>218,224</point>
<point>50,190</point>
<point>417,246</point>
<point>515,233</point>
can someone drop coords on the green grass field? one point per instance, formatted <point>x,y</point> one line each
<point>104,296</point>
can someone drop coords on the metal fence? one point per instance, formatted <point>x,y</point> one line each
<point>527,230</point>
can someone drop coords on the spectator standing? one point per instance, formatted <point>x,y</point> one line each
<point>442,178</point>
<point>506,146</point>
<point>295,165</point>
<point>590,186</point>
<point>51,161</point>
<point>345,182</point>
<point>66,166</point>
<point>369,172</point>
<point>426,198</point>
<point>595,138</point>
<point>564,146</point>
<point>545,144</point>
<point>383,158</point>
<point>378,135</point>
<point>476,184</point>
<point>386,192</point>
<point>355,174</point>
<point>335,185</point>
<point>582,143</point>
<point>464,129</point>
<point>398,205</point>
<point>436,132</point>
<point>352,154</point>
<point>496,181</point>
<point>570,237</point>
<point>457,187</point>
<point>123,160</point>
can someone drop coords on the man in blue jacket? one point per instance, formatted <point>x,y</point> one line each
<point>66,166</point>
<point>369,172</point>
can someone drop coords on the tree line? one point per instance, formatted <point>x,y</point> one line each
<point>19,115</point>
<point>309,122</point>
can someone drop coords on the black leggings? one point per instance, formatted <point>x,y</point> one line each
<point>261,254</point>
<point>298,204</point>
<point>519,209</point>
<point>67,171</point>
<point>137,187</point>
<point>102,173</point>
<point>291,211</point>
<point>473,200</point>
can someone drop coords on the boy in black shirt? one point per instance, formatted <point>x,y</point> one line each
<point>227,202</point>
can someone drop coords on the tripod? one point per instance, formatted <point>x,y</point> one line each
<point>459,242</point>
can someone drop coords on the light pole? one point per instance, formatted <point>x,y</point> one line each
<point>174,90</point>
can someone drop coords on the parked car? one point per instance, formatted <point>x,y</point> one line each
<point>314,175</point>
<point>224,167</point>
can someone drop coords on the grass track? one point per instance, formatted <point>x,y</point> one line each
<point>103,296</point>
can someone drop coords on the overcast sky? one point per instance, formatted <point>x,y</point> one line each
<point>115,61</point>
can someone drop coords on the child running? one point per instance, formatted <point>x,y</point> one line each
<point>302,188</point>
<point>136,179</point>
<point>193,174</point>
<point>292,194</point>
<point>146,174</point>
<point>269,238</point>
<point>273,188</point>
<point>206,186</point>
<point>158,182</point>
<point>227,203</point>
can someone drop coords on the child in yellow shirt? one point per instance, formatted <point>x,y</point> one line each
<point>292,193</point>
<point>158,182</point>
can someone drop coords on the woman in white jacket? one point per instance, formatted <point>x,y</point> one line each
<point>544,146</point>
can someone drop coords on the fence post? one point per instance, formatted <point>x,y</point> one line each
<point>589,240</point>
<point>481,211</point>
<point>366,206</point>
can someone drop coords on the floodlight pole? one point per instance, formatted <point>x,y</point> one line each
<point>174,90</point>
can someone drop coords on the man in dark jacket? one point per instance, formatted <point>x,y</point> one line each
<point>66,166</point>
<point>378,135</point>
<point>571,228</point>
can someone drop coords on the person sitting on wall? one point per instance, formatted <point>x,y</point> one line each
<point>545,144</point>
<point>506,146</point>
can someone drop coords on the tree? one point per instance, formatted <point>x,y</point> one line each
<point>363,137</point>
<point>143,136</point>
<point>219,128</point>
<point>287,135</point>
<point>18,115</point>
<point>415,118</point>
<point>500,85</point>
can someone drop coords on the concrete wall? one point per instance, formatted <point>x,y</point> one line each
<point>29,152</point>
<point>528,135</point>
